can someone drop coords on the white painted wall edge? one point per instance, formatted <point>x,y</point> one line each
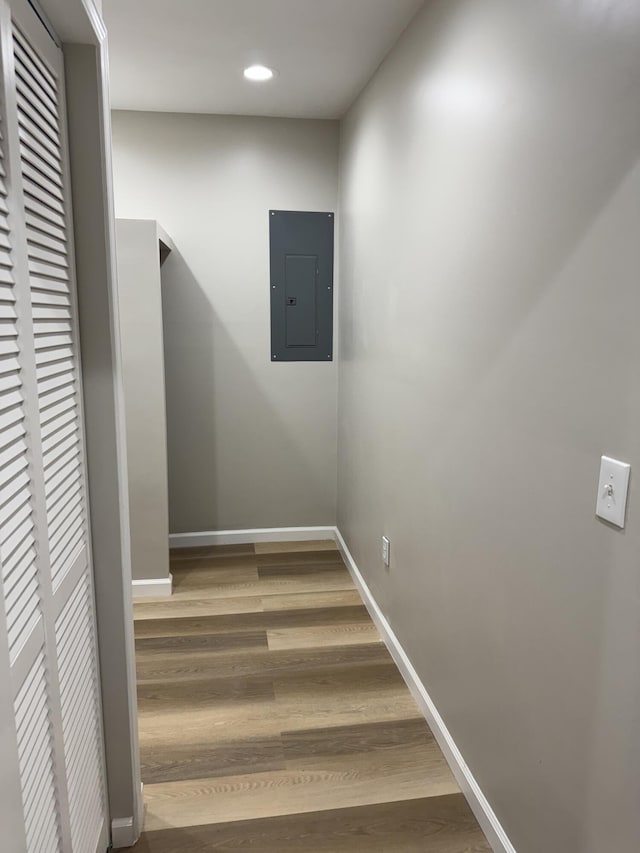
<point>245,537</point>
<point>152,588</point>
<point>122,832</point>
<point>480,806</point>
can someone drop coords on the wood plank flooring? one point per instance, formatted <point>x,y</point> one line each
<point>272,717</point>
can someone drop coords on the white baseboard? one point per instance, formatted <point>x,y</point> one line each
<point>480,806</point>
<point>138,823</point>
<point>152,588</point>
<point>123,833</point>
<point>246,537</point>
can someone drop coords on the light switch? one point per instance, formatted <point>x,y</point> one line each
<point>612,490</point>
<point>386,551</point>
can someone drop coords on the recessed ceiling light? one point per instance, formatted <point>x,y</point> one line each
<point>258,73</point>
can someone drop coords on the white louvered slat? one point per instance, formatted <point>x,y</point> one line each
<point>58,463</point>
<point>10,383</point>
<point>14,530</point>
<point>6,288</point>
<point>9,417</point>
<point>14,485</point>
<point>43,298</point>
<point>53,330</point>
<point>51,326</point>
<point>38,155</point>
<point>27,106</point>
<point>63,439</point>
<point>39,227</point>
<point>7,327</point>
<point>50,400</point>
<point>8,347</point>
<point>79,691</point>
<point>38,90</point>
<point>54,380</point>
<point>53,368</point>
<point>50,288</point>
<point>18,501</point>
<point>35,750</point>
<point>40,73</point>
<point>35,149</point>
<point>7,311</point>
<point>38,178</point>
<point>17,542</point>
<point>62,486</point>
<point>49,417</point>
<point>55,339</point>
<point>65,428</point>
<point>5,275</point>
<point>40,252</point>
<point>43,199</point>
<point>63,414</point>
<point>39,205</point>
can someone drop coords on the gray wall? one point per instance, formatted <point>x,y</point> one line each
<point>94,231</point>
<point>490,353</point>
<point>251,443</point>
<point>140,307</point>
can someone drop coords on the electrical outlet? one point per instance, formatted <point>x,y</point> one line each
<point>386,551</point>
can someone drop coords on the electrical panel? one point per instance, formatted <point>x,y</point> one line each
<point>301,259</point>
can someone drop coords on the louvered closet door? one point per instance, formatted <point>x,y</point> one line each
<point>48,633</point>
<point>25,643</point>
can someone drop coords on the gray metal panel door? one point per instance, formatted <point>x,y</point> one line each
<point>301,285</point>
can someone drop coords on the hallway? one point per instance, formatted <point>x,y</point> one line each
<point>272,717</point>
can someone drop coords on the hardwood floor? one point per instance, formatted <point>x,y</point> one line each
<point>272,717</point>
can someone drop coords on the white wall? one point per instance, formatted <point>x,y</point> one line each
<point>141,341</point>
<point>251,443</point>
<point>490,353</point>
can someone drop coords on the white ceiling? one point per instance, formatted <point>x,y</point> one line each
<point>188,55</point>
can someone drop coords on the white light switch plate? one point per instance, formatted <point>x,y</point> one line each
<point>386,551</point>
<point>612,490</point>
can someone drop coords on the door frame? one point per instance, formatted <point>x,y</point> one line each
<point>80,28</point>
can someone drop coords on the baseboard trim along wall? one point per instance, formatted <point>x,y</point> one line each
<point>122,833</point>
<point>138,818</point>
<point>153,587</point>
<point>244,537</point>
<point>480,806</point>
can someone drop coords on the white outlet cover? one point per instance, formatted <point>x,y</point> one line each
<point>613,485</point>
